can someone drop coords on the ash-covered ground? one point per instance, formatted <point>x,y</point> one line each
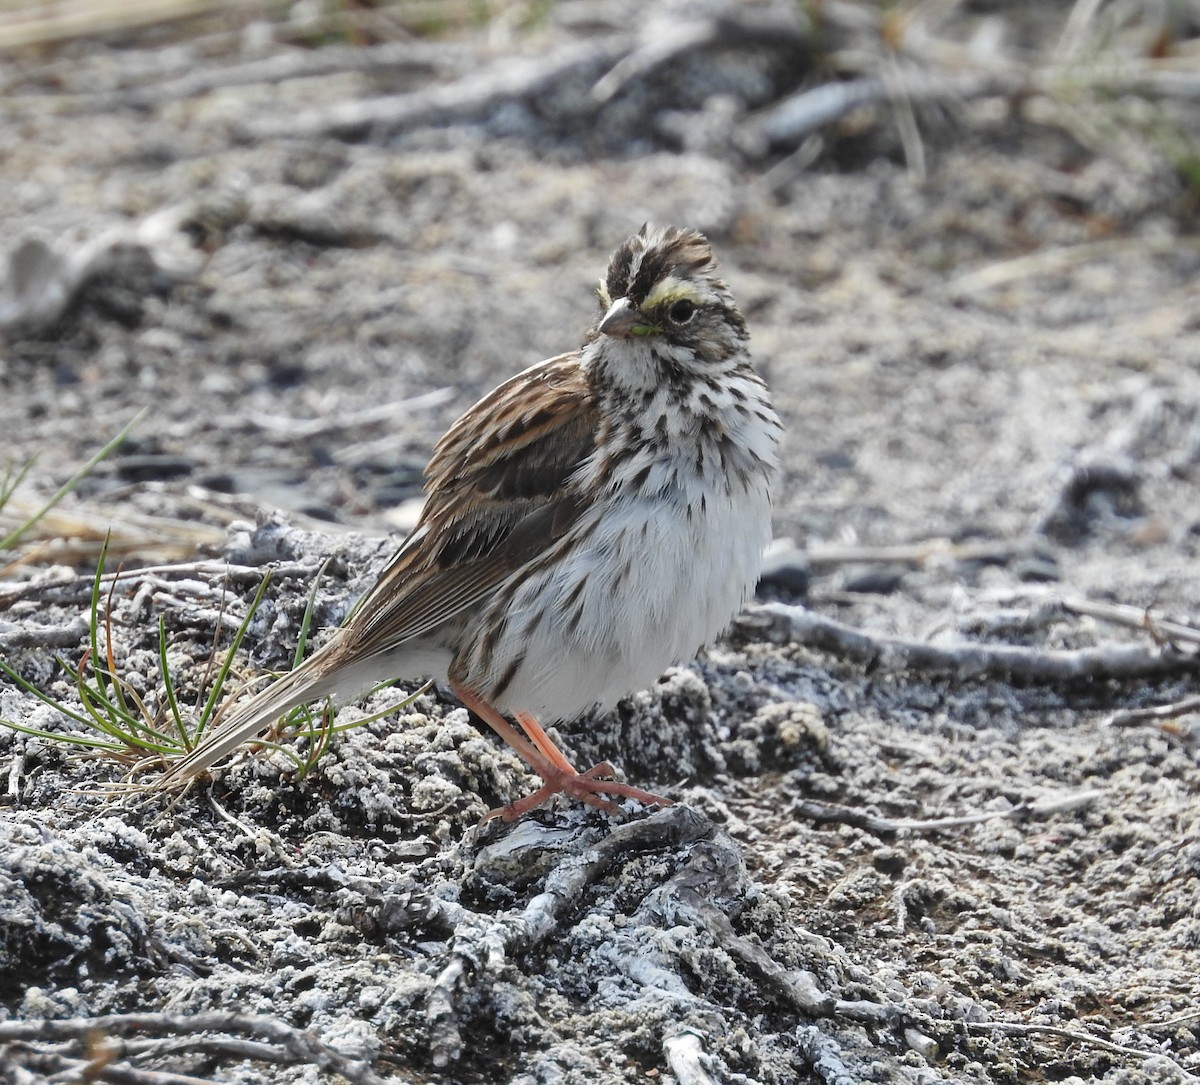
<point>974,292</point>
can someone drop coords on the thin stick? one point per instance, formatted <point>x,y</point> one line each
<point>1072,1036</point>
<point>1128,717</point>
<point>1161,629</point>
<point>923,552</point>
<point>299,1045</point>
<point>795,625</point>
<point>885,826</point>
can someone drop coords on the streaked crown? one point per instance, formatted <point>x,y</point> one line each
<point>653,255</point>
<point>666,277</point>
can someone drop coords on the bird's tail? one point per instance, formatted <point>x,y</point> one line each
<point>249,720</point>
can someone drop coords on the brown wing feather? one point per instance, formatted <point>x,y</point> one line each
<point>493,504</point>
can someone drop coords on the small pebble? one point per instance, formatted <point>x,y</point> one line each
<point>152,467</point>
<point>1038,569</point>
<point>881,580</point>
<point>786,570</point>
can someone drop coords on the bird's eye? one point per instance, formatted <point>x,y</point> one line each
<point>682,311</point>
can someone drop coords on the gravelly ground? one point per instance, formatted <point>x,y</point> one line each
<point>1000,356</point>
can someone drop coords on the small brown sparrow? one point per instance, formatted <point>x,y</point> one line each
<point>593,520</point>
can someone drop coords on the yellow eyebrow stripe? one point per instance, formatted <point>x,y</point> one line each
<point>668,290</point>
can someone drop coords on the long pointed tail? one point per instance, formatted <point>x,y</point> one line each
<point>249,720</point>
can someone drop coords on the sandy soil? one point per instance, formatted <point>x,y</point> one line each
<point>983,340</point>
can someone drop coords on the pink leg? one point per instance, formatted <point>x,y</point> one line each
<point>543,741</point>
<point>548,761</point>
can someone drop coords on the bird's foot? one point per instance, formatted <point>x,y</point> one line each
<point>588,787</point>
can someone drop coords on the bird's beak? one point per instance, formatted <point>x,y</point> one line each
<point>623,320</point>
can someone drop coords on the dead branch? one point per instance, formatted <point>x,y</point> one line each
<point>1181,1019</point>
<point>473,97</point>
<point>1056,261</point>
<point>1075,1036</point>
<point>678,39</point>
<point>482,942</point>
<point>297,429</point>
<point>1162,630</point>
<point>685,1055</point>
<point>818,811</point>
<point>782,623</point>
<point>76,534</point>
<point>40,279</point>
<point>704,880</point>
<point>672,828</point>
<point>14,635</point>
<point>1129,717</point>
<point>788,122</point>
<point>66,587</point>
<point>22,26</point>
<point>283,570</point>
<point>293,1045</point>
<point>938,551</point>
<point>824,1056</point>
<point>18,1057</point>
<point>666,38</point>
<point>1036,607</point>
<point>409,56</point>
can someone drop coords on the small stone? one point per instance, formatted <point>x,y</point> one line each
<point>1038,569</point>
<point>879,580</point>
<point>786,569</point>
<point>153,467</point>
<point>836,460</point>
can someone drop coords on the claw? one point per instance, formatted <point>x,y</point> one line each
<point>548,761</point>
<point>587,787</point>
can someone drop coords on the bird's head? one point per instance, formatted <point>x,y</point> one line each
<point>660,302</point>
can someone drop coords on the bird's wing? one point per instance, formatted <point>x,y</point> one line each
<point>500,492</point>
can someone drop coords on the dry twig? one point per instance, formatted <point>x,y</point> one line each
<point>1055,261</point>
<point>39,24</point>
<point>818,811</point>
<point>406,56</point>
<point>20,1059</point>
<point>279,1041</point>
<point>921,553</point>
<point>1128,717</point>
<point>668,39</point>
<point>1162,630</point>
<point>1075,1036</point>
<point>14,636</point>
<point>784,623</point>
<point>685,1056</point>
<point>474,96</point>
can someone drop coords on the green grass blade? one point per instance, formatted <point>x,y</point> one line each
<point>109,656</point>
<point>102,716</point>
<point>94,627</point>
<point>306,621</point>
<point>130,732</point>
<point>88,741</point>
<point>320,743</point>
<point>223,674</point>
<point>45,698</point>
<point>13,537</point>
<point>13,479</point>
<point>169,684</point>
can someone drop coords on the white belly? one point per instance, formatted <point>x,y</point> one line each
<point>657,586</point>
